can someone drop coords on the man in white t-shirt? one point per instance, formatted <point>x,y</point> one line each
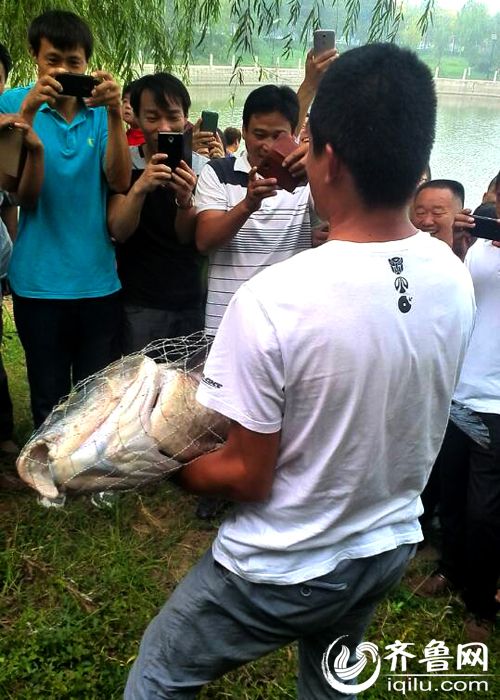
<point>336,368</point>
<point>245,223</point>
<point>470,472</point>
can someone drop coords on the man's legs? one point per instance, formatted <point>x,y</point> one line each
<point>143,325</point>
<point>483,524</point>
<point>454,459</point>
<point>45,330</point>
<point>216,621</point>
<point>97,334</point>
<point>369,581</point>
<point>6,413</point>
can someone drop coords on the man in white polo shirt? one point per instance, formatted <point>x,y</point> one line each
<point>336,368</point>
<point>244,222</point>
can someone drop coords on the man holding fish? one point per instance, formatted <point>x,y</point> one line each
<point>336,369</point>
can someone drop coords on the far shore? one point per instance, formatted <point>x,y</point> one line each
<point>248,76</point>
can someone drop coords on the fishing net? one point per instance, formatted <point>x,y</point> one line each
<point>134,422</point>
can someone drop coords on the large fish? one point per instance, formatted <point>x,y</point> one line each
<point>132,423</point>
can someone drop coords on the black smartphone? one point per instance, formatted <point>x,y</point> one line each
<point>209,121</point>
<point>77,84</point>
<point>324,40</point>
<point>485,228</point>
<point>171,143</point>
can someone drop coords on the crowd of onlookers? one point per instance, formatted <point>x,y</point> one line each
<point>114,249</point>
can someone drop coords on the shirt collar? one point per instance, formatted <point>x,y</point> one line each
<point>79,116</point>
<point>241,164</point>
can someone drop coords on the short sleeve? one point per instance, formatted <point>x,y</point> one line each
<point>210,192</point>
<point>243,375</point>
<point>10,102</point>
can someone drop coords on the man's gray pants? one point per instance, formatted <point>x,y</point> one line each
<point>215,621</point>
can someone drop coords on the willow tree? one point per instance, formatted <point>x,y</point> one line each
<point>129,33</point>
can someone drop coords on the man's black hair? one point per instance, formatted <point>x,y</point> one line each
<point>127,89</point>
<point>6,60</point>
<point>272,98</point>
<point>486,209</point>
<point>376,107</point>
<point>493,184</point>
<point>453,185</point>
<point>427,172</point>
<point>232,135</point>
<point>164,87</point>
<point>63,29</point>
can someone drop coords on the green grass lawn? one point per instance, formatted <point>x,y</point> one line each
<point>78,586</point>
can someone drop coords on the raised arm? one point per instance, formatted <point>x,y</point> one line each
<point>124,211</point>
<point>118,167</point>
<point>27,187</point>
<point>315,67</point>
<point>215,227</point>
<point>31,180</point>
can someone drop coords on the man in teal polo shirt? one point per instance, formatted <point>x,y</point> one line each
<point>63,271</point>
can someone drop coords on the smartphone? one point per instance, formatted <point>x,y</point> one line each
<point>12,151</point>
<point>171,143</point>
<point>271,165</point>
<point>209,121</point>
<point>485,228</point>
<point>324,40</point>
<point>77,84</point>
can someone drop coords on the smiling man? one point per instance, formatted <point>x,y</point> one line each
<point>245,223</point>
<point>63,270</point>
<point>436,204</point>
<point>158,264</point>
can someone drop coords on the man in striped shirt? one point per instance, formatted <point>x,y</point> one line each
<point>245,223</point>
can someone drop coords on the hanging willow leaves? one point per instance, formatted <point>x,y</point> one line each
<point>130,33</point>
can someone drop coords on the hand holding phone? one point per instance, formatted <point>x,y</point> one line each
<point>77,84</point>
<point>486,228</point>
<point>272,164</point>
<point>209,121</point>
<point>257,190</point>
<point>172,144</point>
<point>323,40</point>
<point>156,174</point>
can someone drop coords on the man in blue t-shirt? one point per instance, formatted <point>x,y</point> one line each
<point>63,271</point>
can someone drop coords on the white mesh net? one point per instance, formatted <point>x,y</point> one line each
<point>132,423</point>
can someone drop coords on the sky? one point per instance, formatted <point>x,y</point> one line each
<point>456,5</point>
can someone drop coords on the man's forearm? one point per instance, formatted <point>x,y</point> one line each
<point>31,181</point>
<point>118,164</point>
<point>214,232</point>
<point>124,213</point>
<point>221,473</point>
<point>185,224</point>
<point>305,95</point>
<point>9,216</point>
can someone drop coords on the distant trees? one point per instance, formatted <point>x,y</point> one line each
<point>129,33</point>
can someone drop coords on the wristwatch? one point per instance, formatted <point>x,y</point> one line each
<point>189,205</point>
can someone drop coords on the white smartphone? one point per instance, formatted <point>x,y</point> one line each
<point>324,40</point>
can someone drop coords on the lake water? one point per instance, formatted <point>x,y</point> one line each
<point>467,146</point>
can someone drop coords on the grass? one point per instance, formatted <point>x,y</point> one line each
<point>79,585</point>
